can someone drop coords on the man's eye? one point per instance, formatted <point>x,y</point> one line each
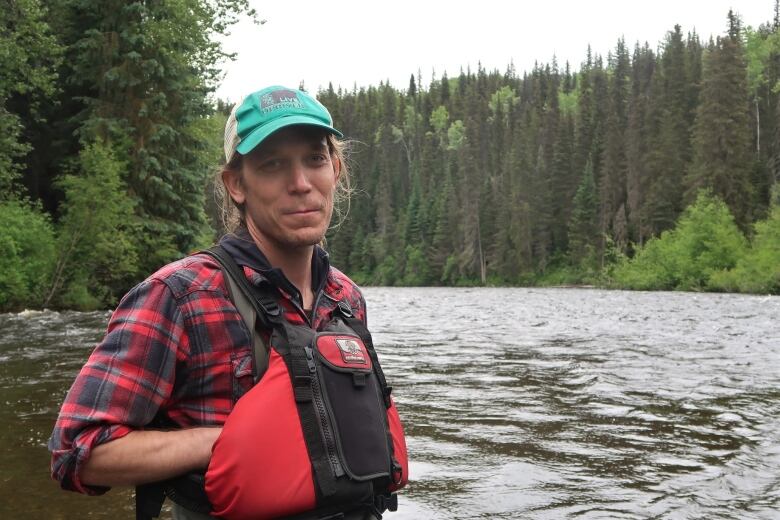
<point>271,164</point>
<point>319,158</point>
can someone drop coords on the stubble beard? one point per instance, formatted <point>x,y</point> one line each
<point>292,242</point>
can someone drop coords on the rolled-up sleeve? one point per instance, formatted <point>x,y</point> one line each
<point>126,380</point>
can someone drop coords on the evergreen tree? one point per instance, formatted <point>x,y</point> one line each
<point>29,56</point>
<point>722,158</point>
<point>612,180</point>
<point>637,146</point>
<point>669,151</point>
<point>142,72</point>
<point>97,253</point>
<point>583,224</point>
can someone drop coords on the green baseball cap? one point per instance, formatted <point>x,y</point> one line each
<point>264,112</point>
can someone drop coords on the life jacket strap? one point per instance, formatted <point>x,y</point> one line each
<point>255,307</point>
<point>149,499</point>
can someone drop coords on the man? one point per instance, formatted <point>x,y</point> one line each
<point>178,355</point>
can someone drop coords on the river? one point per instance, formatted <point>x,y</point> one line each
<point>518,403</point>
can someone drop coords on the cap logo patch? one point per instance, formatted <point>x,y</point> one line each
<point>351,351</point>
<point>279,99</point>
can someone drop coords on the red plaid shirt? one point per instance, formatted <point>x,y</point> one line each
<point>176,347</point>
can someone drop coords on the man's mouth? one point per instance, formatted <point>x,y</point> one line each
<point>305,211</point>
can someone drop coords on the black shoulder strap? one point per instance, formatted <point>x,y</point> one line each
<point>252,305</point>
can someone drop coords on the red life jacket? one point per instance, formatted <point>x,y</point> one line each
<point>318,433</point>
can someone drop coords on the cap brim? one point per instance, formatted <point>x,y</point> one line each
<point>260,134</point>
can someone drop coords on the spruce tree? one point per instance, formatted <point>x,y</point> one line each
<point>612,180</point>
<point>29,56</point>
<point>142,72</point>
<point>722,158</point>
<point>669,151</point>
<point>637,147</point>
<point>583,224</point>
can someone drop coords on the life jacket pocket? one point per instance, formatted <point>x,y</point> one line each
<point>355,406</point>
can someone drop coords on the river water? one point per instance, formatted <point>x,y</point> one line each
<point>518,403</point>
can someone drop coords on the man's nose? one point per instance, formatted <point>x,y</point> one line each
<point>299,178</point>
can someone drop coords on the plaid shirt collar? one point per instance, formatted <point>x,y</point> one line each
<point>246,253</point>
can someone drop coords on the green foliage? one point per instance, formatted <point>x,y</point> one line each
<point>29,55</point>
<point>503,100</point>
<point>387,272</point>
<point>568,102</point>
<point>143,71</point>
<point>758,271</point>
<point>98,256</point>
<point>440,119</point>
<point>583,225</point>
<point>416,271</point>
<point>758,52</point>
<point>28,253</point>
<point>450,272</point>
<point>547,176</point>
<point>722,160</point>
<point>455,135</point>
<point>705,241</point>
<point>115,95</point>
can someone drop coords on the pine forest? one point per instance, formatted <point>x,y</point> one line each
<point>653,167</point>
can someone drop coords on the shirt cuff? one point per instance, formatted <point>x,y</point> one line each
<point>68,464</point>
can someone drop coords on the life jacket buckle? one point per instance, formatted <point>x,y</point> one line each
<point>397,469</point>
<point>384,503</point>
<point>302,388</point>
<point>270,307</point>
<point>345,309</point>
<point>358,379</point>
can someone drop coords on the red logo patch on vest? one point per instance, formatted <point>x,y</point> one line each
<point>351,351</point>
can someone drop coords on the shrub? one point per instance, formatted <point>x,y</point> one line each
<point>758,271</point>
<point>98,257</point>
<point>705,241</point>
<point>27,255</point>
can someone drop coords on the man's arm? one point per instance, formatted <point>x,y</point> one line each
<point>127,379</point>
<point>148,456</point>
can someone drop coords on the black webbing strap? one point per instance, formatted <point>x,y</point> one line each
<point>149,499</point>
<point>251,304</point>
<point>302,377</point>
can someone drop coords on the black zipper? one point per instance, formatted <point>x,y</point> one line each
<point>322,414</point>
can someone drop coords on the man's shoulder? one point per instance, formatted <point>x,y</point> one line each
<point>340,286</point>
<point>339,281</point>
<point>197,272</point>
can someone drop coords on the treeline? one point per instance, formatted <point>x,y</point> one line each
<point>109,138</point>
<point>556,176</point>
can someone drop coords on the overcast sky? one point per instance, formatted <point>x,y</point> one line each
<point>350,42</point>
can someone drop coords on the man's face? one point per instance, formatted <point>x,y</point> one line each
<point>286,186</point>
